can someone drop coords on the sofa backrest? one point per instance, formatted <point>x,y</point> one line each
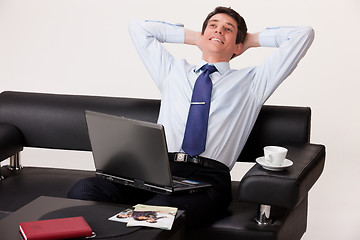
<point>57,121</point>
<point>277,125</point>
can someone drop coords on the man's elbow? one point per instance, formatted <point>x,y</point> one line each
<point>309,33</point>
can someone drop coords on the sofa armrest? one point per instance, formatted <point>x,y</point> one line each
<point>288,187</point>
<point>11,141</point>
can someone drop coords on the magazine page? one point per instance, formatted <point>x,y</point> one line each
<point>147,216</point>
<point>123,216</point>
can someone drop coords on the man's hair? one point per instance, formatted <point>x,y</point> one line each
<point>241,25</point>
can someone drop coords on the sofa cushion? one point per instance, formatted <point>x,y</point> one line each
<point>18,188</point>
<point>239,223</point>
<point>277,125</point>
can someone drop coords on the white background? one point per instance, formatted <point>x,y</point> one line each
<point>83,47</point>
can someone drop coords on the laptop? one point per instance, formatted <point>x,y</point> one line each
<point>134,153</point>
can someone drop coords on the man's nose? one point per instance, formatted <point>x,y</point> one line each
<point>218,30</point>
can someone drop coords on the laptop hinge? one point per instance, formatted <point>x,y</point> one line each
<point>139,183</point>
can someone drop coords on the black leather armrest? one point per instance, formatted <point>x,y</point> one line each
<point>11,141</point>
<point>288,187</point>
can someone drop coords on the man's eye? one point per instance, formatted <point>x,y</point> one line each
<point>228,29</point>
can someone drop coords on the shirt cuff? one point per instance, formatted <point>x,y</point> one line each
<point>175,33</point>
<point>267,38</point>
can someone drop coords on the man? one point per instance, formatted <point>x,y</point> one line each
<point>236,96</point>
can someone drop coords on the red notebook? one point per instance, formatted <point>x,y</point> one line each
<point>61,228</point>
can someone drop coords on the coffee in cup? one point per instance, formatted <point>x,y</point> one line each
<point>275,155</point>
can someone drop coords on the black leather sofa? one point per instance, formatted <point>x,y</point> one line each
<point>278,200</point>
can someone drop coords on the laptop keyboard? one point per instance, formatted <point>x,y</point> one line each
<point>178,182</point>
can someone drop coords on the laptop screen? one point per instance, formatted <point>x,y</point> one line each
<point>129,148</point>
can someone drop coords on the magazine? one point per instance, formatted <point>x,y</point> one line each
<point>148,216</point>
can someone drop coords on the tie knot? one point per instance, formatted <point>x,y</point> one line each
<point>210,68</point>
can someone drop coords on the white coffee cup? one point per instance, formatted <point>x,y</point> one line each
<point>275,155</point>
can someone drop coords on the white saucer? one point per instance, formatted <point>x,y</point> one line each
<point>266,165</point>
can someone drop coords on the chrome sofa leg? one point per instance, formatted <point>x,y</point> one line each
<point>263,217</point>
<point>15,162</point>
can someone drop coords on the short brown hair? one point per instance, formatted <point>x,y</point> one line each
<point>241,25</point>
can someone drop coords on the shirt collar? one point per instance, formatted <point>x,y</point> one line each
<point>222,67</point>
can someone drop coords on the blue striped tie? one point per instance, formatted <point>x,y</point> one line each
<point>197,123</point>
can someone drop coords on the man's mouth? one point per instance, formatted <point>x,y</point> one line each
<point>216,39</point>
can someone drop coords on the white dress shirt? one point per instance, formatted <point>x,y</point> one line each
<point>237,96</point>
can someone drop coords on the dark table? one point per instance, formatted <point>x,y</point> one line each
<point>50,207</point>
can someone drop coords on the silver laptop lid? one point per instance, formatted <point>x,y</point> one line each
<point>128,148</point>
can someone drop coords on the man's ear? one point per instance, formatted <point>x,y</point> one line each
<point>239,49</point>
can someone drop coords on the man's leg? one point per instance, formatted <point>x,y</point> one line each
<point>202,207</point>
<point>102,190</point>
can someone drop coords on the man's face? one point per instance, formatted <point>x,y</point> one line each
<point>219,39</point>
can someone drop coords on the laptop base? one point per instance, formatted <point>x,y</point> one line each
<point>181,185</point>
